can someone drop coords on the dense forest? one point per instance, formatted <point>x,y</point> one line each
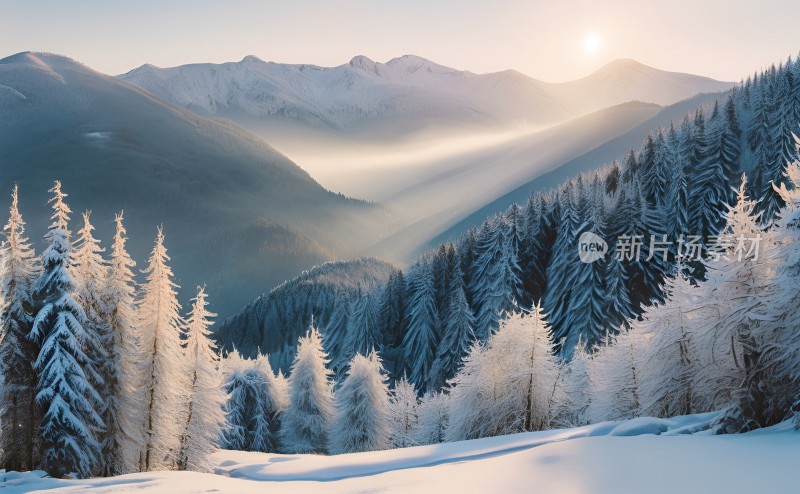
<point>670,196</point>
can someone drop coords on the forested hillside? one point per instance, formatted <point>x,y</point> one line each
<point>673,192</point>
<point>274,321</point>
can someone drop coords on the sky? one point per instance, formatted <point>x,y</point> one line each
<point>553,41</point>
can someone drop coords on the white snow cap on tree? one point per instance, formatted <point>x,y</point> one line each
<point>207,398</point>
<point>167,378</point>
<point>362,408</point>
<point>310,413</point>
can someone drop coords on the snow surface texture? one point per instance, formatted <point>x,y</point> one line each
<point>591,459</point>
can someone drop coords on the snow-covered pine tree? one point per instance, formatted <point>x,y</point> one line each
<point>678,192</point>
<point>668,355</point>
<point>434,410</point>
<point>404,411</point>
<point>588,315</point>
<point>574,397</point>
<point>234,434</point>
<point>458,336</point>
<point>166,375</point>
<point>206,395</point>
<point>509,386</point>
<point>710,188</point>
<point>362,421</point>
<point>613,377</point>
<point>90,272</point>
<point>391,312</point>
<point>471,398</point>
<point>734,319</point>
<point>421,339</point>
<point>781,351</point>
<point>18,414</point>
<point>523,351</point>
<point>70,405</point>
<point>363,332</point>
<point>335,331</point>
<point>127,393</point>
<point>533,257</point>
<point>495,277</point>
<point>307,419</point>
<point>560,272</point>
<point>250,424</point>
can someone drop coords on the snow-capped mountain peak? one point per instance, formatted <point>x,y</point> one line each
<point>364,93</point>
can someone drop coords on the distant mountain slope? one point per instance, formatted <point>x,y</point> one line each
<point>626,80</point>
<point>349,96</point>
<point>273,322</point>
<point>592,159</point>
<point>467,182</point>
<point>237,215</point>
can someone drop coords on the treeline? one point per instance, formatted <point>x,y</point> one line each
<point>674,190</point>
<point>101,376</point>
<point>725,344</point>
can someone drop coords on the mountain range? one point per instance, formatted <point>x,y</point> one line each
<point>237,214</point>
<point>192,147</point>
<point>362,95</point>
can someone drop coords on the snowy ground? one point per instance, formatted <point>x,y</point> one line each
<point>638,456</point>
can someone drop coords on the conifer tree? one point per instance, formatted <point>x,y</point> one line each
<point>251,410</point>
<point>166,374</point>
<point>126,356</point>
<point>362,420</point>
<point>90,271</point>
<point>495,279</point>
<point>420,339</point>
<point>458,334</point>
<point>668,357</point>
<point>434,416</point>
<point>17,352</point>
<point>206,396</point>
<point>404,411</point>
<point>70,405</point>
<point>308,418</point>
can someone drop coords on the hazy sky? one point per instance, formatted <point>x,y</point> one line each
<point>556,40</point>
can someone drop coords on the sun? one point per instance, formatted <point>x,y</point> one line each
<point>592,43</point>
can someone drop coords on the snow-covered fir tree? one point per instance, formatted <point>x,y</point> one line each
<point>206,416</point>
<point>309,415</point>
<point>166,374</point>
<point>362,419</point>
<point>573,397</point>
<point>17,352</point>
<point>71,406</point>
<point>404,410</point>
<point>421,337</point>
<point>613,377</point>
<point>434,416</point>
<point>668,356</point>
<point>90,271</point>
<point>495,276</point>
<point>248,418</point>
<point>735,303</point>
<point>126,391</point>
<point>457,337</point>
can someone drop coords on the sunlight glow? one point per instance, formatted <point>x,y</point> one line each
<point>592,43</point>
